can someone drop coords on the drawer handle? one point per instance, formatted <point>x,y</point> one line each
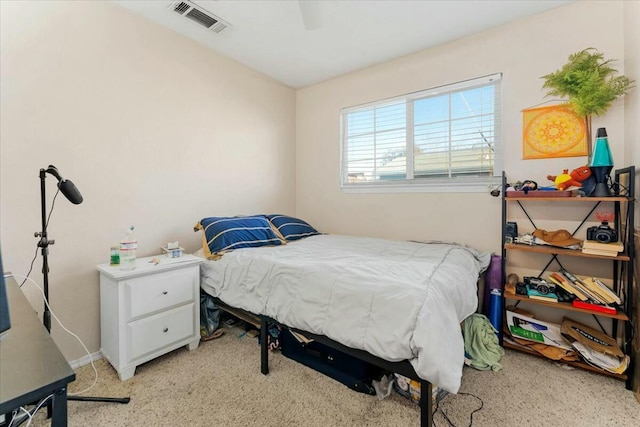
<point>165,330</point>
<point>164,292</point>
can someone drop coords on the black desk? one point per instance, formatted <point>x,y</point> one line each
<point>31,365</point>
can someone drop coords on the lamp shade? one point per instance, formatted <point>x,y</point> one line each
<point>601,152</point>
<point>601,163</point>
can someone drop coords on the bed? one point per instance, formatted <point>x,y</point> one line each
<point>395,301</point>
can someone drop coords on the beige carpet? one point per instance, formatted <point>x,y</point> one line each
<point>220,384</point>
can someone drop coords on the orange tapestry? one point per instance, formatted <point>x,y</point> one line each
<point>554,131</point>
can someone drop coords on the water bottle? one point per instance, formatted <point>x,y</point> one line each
<point>495,310</point>
<point>128,246</point>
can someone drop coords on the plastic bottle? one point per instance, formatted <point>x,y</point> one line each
<point>128,247</point>
<point>495,310</point>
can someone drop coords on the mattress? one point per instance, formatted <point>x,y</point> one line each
<point>397,300</point>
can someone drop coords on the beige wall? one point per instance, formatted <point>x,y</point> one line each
<point>154,130</point>
<point>523,51</point>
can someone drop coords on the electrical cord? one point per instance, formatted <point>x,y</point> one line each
<point>27,413</point>
<point>444,414</point>
<point>22,418</point>
<point>37,408</point>
<point>35,255</point>
<point>95,371</point>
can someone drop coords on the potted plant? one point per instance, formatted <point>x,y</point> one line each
<point>589,83</point>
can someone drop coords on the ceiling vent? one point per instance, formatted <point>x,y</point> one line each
<point>199,15</point>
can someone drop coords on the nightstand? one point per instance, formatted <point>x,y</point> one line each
<point>148,311</point>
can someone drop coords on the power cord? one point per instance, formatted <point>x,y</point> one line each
<point>27,414</point>
<point>95,371</point>
<point>35,255</point>
<point>444,414</point>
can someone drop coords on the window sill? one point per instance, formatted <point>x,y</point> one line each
<point>483,185</point>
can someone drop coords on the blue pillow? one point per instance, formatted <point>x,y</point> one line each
<point>222,234</point>
<point>291,228</point>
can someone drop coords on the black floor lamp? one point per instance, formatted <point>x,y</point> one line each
<point>70,191</point>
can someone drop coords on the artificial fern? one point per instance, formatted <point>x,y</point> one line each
<point>588,81</point>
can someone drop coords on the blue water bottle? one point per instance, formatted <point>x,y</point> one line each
<point>495,310</point>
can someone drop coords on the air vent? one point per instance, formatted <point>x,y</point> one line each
<point>199,15</point>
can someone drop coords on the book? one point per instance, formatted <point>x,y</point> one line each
<point>602,290</point>
<point>563,282</point>
<point>607,290</point>
<point>599,252</point>
<point>541,298</point>
<point>548,297</point>
<point>594,307</point>
<point>581,286</point>
<point>593,244</point>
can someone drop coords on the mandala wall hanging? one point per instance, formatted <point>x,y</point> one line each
<point>554,131</point>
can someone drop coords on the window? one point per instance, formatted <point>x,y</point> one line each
<point>441,139</point>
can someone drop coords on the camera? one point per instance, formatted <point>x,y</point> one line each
<point>540,285</point>
<point>602,233</point>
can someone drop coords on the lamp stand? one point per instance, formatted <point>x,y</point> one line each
<point>602,190</point>
<point>44,243</point>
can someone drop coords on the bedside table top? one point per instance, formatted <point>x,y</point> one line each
<point>148,266</point>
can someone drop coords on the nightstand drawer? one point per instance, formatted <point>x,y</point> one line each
<point>155,332</point>
<point>149,294</point>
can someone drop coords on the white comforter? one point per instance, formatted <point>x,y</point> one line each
<point>396,300</point>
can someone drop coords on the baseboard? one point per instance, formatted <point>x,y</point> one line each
<point>85,360</point>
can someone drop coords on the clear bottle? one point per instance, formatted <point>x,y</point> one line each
<point>128,247</point>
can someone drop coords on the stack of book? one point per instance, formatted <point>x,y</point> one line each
<point>593,247</point>
<point>590,293</point>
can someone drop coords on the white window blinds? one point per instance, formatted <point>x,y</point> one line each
<point>445,135</point>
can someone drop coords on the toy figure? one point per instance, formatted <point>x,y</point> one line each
<point>528,185</point>
<point>576,178</point>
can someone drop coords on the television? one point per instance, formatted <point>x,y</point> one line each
<point>5,322</point>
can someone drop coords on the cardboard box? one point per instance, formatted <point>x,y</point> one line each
<point>591,337</point>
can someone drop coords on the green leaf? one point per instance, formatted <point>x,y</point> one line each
<point>588,81</point>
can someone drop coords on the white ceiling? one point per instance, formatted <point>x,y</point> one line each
<point>339,36</point>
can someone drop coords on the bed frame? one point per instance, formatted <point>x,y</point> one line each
<point>403,368</point>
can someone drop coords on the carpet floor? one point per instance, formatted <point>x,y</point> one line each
<point>220,384</point>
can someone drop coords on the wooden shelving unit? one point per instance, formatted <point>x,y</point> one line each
<point>622,264</point>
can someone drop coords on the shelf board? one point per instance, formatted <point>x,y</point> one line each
<point>542,249</point>
<point>581,365</point>
<point>566,306</point>
<point>569,199</point>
